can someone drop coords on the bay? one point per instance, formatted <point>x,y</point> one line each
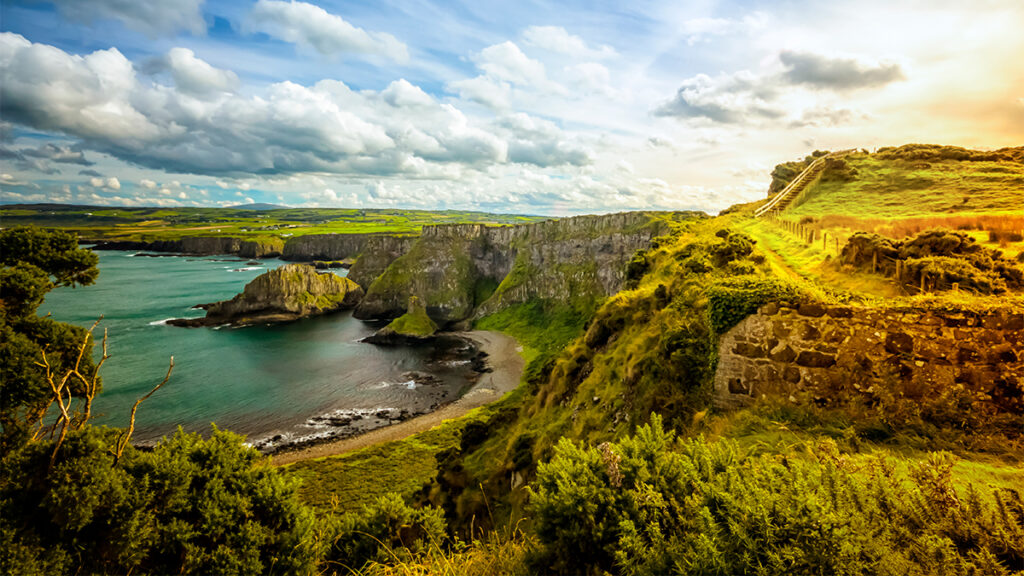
<point>261,381</point>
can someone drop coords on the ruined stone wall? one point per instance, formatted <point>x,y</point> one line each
<point>826,354</point>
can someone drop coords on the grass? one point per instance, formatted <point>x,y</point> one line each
<point>96,223</point>
<point>415,322</point>
<point>402,466</point>
<point>900,189</point>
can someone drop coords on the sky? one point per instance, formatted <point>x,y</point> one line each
<point>531,106</point>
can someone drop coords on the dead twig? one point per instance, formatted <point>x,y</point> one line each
<point>125,437</point>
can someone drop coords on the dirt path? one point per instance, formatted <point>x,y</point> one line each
<point>507,369</point>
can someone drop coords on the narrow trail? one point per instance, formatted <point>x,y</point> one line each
<point>506,365</point>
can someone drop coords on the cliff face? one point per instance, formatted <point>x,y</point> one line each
<point>378,253</point>
<point>324,246</point>
<point>290,292</point>
<point>201,245</point>
<point>459,271</point>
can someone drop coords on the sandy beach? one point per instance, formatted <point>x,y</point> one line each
<point>506,365</point>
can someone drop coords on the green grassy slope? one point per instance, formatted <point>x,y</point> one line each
<point>592,377</point>
<point>912,182</point>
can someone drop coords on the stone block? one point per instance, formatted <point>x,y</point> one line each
<point>813,310</point>
<point>808,332</point>
<point>899,343</point>
<point>840,312</point>
<point>783,353</point>
<point>813,359</point>
<point>749,350</point>
<point>966,354</point>
<point>791,374</point>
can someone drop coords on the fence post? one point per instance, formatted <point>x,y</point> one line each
<point>874,262</point>
<point>924,276</point>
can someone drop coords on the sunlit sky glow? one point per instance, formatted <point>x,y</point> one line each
<point>530,107</point>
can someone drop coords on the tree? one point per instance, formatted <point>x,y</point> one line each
<point>34,261</point>
<point>82,499</point>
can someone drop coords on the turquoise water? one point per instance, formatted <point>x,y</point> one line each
<point>258,380</point>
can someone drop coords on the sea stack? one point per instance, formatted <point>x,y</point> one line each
<point>291,292</point>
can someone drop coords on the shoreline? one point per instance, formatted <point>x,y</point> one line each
<point>506,369</point>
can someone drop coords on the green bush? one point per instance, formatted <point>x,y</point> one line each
<point>733,299</point>
<point>650,505</point>
<point>188,506</point>
<point>383,530</point>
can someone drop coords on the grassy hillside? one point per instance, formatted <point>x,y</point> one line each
<point>97,222</point>
<point>595,374</point>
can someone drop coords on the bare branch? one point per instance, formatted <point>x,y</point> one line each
<point>126,436</point>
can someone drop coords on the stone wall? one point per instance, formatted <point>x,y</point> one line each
<point>825,354</point>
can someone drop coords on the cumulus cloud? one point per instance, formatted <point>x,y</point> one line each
<point>195,76</point>
<point>540,142</point>
<point>89,96</point>
<point>507,73</point>
<point>90,172</point>
<point>839,74</point>
<point>151,17</point>
<point>557,39</point>
<point>489,92</point>
<point>507,62</point>
<point>727,99</point>
<point>111,183</point>
<point>746,98</point>
<point>308,25</point>
<point>287,128</point>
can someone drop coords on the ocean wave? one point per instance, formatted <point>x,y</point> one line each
<point>409,384</point>
<point>160,322</point>
<point>246,269</point>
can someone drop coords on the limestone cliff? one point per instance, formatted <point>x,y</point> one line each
<point>459,271</point>
<point>288,293</point>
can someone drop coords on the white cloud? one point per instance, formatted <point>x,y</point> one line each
<point>195,76</point>
<point>147,184</point>
<point>506,62</point>
<point>111,183</point>
<point>152,17</point>
<point>329,34</point>
<point>557,39</point>
<point>703,29</point>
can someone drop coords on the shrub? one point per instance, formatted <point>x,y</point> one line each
<point>733,299</point>
<point>648,505</point>
<point>382,530</point>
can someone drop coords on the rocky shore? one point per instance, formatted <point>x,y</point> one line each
<point>499,368</point>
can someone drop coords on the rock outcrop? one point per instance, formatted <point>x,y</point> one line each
<point>412,327</point>
<point>288,293</point>
<point>463,270</point>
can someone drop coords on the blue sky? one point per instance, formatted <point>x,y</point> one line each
<point>538,107</point>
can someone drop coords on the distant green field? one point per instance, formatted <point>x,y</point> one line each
<point>97,223</point>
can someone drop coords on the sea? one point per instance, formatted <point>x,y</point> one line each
<point>278,384</point>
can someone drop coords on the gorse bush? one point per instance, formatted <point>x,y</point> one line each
<point>651,505</point>
<point>190,505</point>
<point>936,259</point>
<point>384,530</point>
